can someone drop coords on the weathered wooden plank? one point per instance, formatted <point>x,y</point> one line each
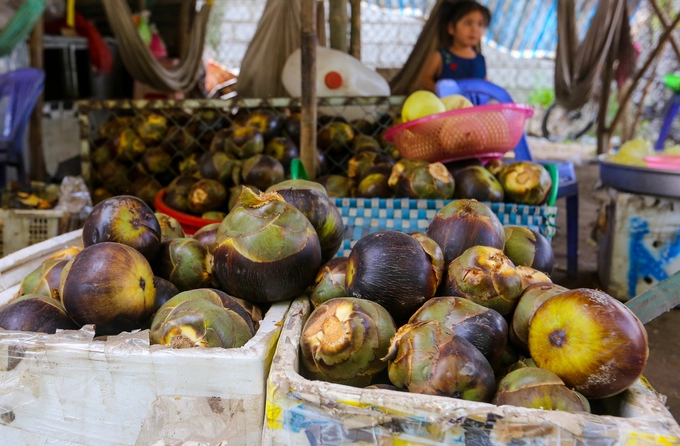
<point>658,300</point>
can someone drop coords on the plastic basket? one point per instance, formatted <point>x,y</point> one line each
<point>190,223</point>
<point>22,228</point>
<point>484,131</point>
<point>362,216</point>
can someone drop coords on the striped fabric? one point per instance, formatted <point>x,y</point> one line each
<point>362,216</point>
<point>523,28</point>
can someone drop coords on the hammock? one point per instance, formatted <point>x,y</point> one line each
<point>139,61</point>
<point>20,25</point>
<point>276,37</point>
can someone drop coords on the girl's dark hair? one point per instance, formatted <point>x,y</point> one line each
<point>452,12</point>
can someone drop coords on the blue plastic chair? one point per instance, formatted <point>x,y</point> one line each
<point>480,92</point>
<point>672,108</point>
<point>19,92</point>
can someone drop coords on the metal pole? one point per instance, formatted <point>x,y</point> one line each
<point>36,156</point>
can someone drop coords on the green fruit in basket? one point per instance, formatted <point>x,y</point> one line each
<point>219,166</point>
<point>421,103</point>
<point>201,318</point>
<point>393,269</point>
<point>420,179</point>
<point>344,340</point>
<point>495,166</point>
<point>485,276</point>
<point>364,127</point>
<point>262,171</point>
<point>392,150</point>
<point>111,286</point>
<point>365,143</point>
<point>531,298</point>
<point>531,276</point>
<point>375,183</point>
<point>266,121</point>
<point>291,127</point>
<point>537,389</point>
<point>217,143</point>
<point>593,342</point>
<point>335,137</point>
<point>124,219</point>
<point>462,224</point>
<point>185,262</point>
<point>178,191</point>
<point>190,166</point>
<point>178,140</point>
<point>206,195</point>
<point>267,250</point>
<point>128,146</point>
<point>170,227</point>
<point>330,281</point>
<point>243,142</point>
<point>207,235</point>
<point>337,186</point>
<point>526,182</point>
<point>112,127</point>
<point>151,127</point>
<point>359,164</point>
<point>434,252</point>
<point>283,150</point>
<point>528,247</point>
<point>165,290</point>
<point>254,311</point>
<point>146,189</point>
<point>478,183</point>
<point>426,357</point>
<point>456,166</point>
<point>214,215</point>
<point>483,327</point>
<point>113,175</point>
<point>36,313</point>
<point>311,199</point>
<point>156,161</point>
<point>44,280</point>
<point>101,155</point>
<point>235,193</point>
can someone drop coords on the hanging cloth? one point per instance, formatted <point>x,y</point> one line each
<point>139,61</point>
<point>578,65</point>
<point>20,25</point>
<point>407,79</point>
<point>276,37</point>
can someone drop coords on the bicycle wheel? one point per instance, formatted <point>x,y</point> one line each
<point>560,124</point>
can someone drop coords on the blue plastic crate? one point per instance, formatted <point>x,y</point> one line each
<point>361,216</point>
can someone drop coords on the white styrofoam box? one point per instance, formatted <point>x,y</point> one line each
<point>301,411</point>
<point>69,389</point>
<point>640,245</point>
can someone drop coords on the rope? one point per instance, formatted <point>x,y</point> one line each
<point>139,61</point>
<point>20,25</point>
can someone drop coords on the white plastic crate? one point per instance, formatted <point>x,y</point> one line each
<point>68,389</point>
<point>301,411</point>
<point>22,228</point>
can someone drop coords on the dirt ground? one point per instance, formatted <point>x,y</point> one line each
<point>663,332</point>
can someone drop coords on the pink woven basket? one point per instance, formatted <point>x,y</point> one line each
<point>483,131</point>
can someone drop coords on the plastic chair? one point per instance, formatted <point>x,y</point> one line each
<point>19,92</point>
<point>480,92</point>
<point>672,108</point>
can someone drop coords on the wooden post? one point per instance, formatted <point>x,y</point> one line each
<point>603,132</point>
<point>35,155</point>
<point>321,23</point>
<point>337,19</point>
<point>355,29</point>
<point>187,12</point>
<point>308,79</point>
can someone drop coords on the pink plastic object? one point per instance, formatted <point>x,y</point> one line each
<point>665,162</point>
<point>483,131</point>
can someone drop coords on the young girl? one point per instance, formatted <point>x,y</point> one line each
<point>461,32</point>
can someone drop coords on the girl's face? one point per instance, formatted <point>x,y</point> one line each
<point>468,30</point>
